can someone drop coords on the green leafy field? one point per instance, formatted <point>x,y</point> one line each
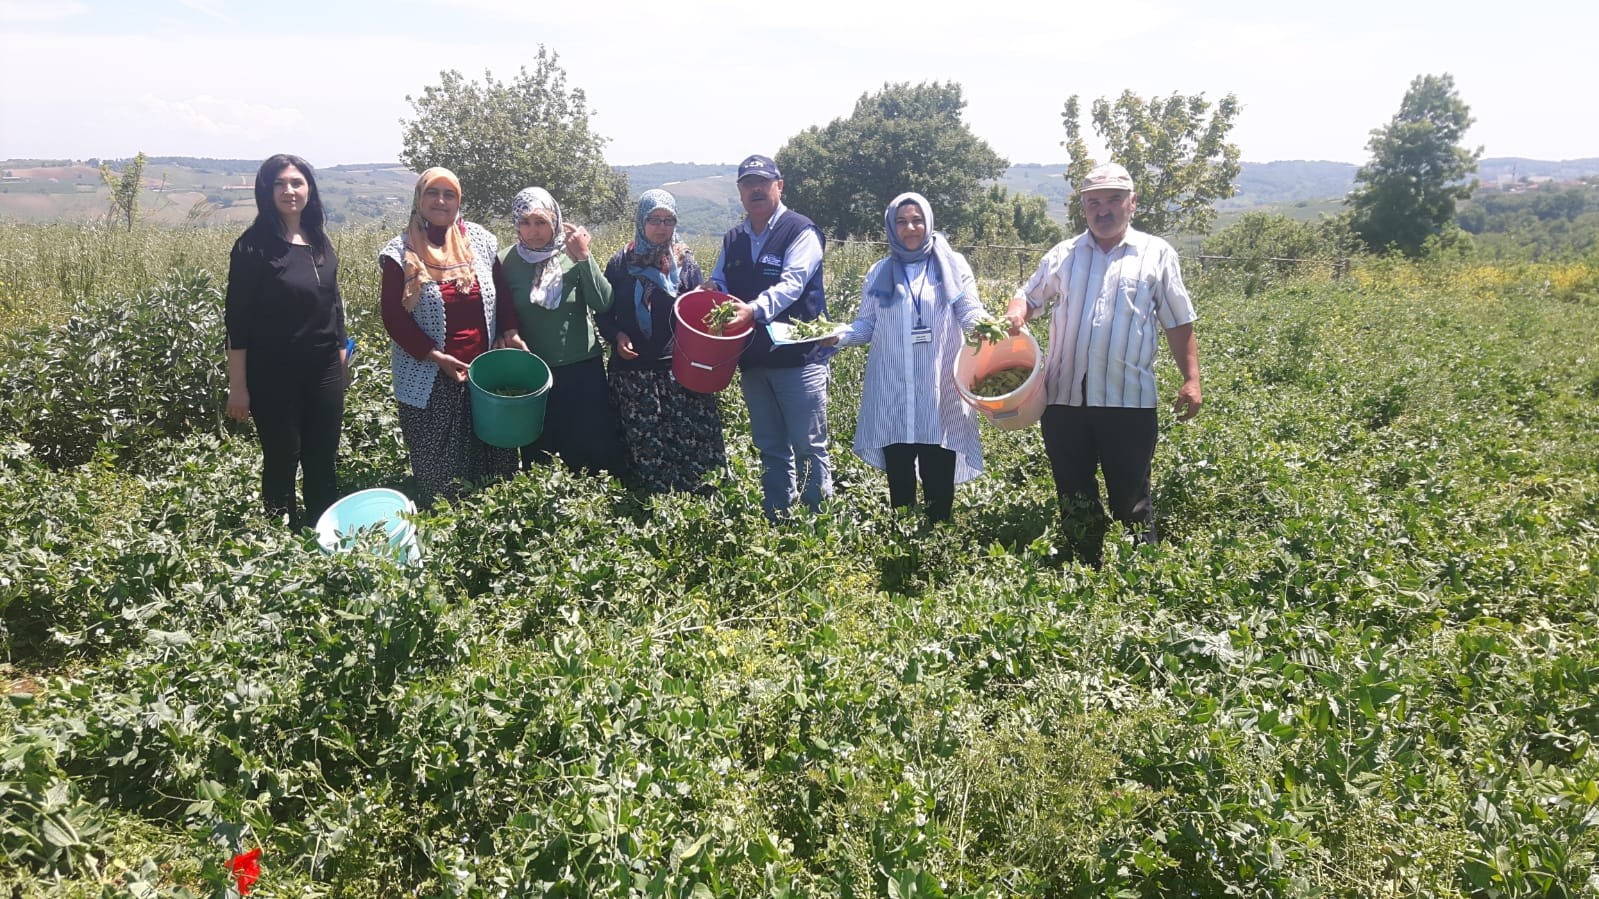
<point>1365,664</point>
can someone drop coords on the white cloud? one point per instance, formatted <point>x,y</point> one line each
<point>217,117</point>
<point>207,7</point>
<point>722,79</point>
<point>19,11</point>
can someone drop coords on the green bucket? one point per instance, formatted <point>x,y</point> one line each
<point>509,421</point>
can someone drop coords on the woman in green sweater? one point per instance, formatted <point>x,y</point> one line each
<point>557,309</point>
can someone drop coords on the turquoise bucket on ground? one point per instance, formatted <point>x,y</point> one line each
<point>337,529</point>
<point>509,421</point>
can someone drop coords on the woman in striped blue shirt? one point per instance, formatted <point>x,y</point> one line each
<point>915,306</point>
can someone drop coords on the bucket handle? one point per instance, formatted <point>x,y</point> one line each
<point>702,366</point>
<point>996,416</point>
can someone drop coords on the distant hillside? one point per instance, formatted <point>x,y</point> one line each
<point>669,174</point>
<point>1510,167</point>
<point>189,190</point>
<point>707,196</point>
<point>1270,183</point>
<point>1259,183</point>
<point>185,189</point>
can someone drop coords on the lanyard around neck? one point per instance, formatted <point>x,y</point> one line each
<point>915,295</point>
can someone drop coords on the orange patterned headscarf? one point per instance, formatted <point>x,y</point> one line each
<point>425,262</point>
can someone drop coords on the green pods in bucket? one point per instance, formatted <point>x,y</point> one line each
<point>509,391</point>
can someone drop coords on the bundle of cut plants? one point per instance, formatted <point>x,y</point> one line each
<point>720,317</point>
<point>819,326</point>
<point>987,330</point>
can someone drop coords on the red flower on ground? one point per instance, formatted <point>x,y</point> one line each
<point>247,867</point>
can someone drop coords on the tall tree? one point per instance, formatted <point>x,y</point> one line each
<point>500,137</point>
<point>125,187</point>
<point>902,138</point>
<point>1180,161</point>
<point>1001,217</point>
<point>1418,169</point>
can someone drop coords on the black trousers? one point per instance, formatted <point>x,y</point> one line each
<point>298,406</point>
<point>579,422</point>
<point>937,467</point>
<point>1121,442</point>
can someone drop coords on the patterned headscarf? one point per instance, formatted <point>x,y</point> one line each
<point>655,263</point>
<point>935,249</point>
<point>546,288</point>
<point>425,262</point>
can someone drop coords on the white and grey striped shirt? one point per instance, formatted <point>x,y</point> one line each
<point>909,391</point>
<point>1106,310</point>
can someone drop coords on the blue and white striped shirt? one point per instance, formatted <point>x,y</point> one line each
<point>1105,311</point>
<point>909,391</point>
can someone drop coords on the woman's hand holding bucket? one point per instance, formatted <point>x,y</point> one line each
<point>452,366</point>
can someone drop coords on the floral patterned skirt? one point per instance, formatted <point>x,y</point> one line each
<point>445,451</point>
<point>673,435</point>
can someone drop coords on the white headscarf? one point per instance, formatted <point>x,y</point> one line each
<point>546,288</point>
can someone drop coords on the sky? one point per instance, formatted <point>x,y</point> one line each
<point>709,81</point>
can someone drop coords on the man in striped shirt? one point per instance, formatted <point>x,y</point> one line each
<point>1106,290</point>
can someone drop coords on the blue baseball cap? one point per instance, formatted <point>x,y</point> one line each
<point>759,167</point>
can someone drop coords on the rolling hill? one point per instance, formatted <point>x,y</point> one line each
<point>190,190</point>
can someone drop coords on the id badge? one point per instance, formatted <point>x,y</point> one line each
<point>922,334</point>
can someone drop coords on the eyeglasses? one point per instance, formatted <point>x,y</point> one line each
<point>659,222</point>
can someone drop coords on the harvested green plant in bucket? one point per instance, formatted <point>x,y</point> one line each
<point>1003,381</point>
<point>511,391</point>
<point>720,316</point>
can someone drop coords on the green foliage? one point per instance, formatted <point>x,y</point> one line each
<point>903,138</point>
<point>1364,665</point>
<point>999,217</point>
<point>1263,249</point>
<point>1181,162</point>
<point>123,370</point>
<point>500,137</point>
<point>1546,222</point>
<point>1418,169</point>
<point>125,190</point>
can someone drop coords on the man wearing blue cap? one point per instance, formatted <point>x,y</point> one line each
<point>1109,291</point>
<point>772,261</point>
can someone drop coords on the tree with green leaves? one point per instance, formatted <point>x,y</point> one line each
<point>902,138</point>
<point>1175,148</point>
<point>1406,194</point>
<point>499,137</point>
<point>1003,218</point>
<point>125,187</point>
<point>1265,248</point>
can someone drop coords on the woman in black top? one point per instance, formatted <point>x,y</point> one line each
<point>673,436</point>
<point>286,344</point>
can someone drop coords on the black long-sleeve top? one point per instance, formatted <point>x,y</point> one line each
<point>654,352</point>
<point>280,301</point>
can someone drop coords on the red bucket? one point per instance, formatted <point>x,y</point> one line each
<point>702,361</point>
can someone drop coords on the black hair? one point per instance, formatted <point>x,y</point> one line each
<point>312,221</point>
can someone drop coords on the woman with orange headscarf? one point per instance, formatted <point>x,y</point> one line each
<point>444,303</point>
